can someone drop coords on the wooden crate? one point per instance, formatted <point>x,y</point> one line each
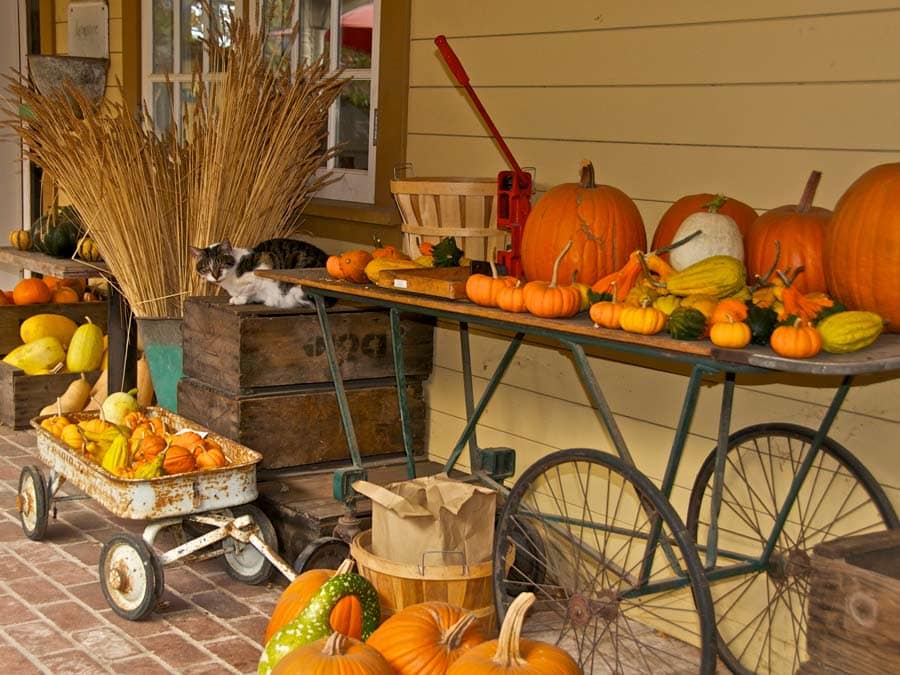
<point>295,426</point>
<point>12,316</point>
<point>22,396</point>
<point>240,348</point>
<point>854,606</point>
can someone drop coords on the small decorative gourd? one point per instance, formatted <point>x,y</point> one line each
<point>88,250</point>
<point>849,331</point>
<point>718,275</point>
<point>85,351</point>
<point>313,623</point>
<point>335,655</point>
<point>550,300</point>
<point>21,240</point>
<point>797,341</point>
<point>687,323</point>
<point>424,639</point>
<point>730,333</point>
<point>645,320</point>
<point>483,289</point>
<point>729,309</point>
<point>512,298</point>
<point>719,235</point>
<point>510,654</point>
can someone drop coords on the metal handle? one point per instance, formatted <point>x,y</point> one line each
<point>461,554</point>
<point>452,60</point>
<point>403,170</point>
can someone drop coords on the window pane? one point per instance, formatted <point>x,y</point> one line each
<point>161,111</point>
<point>356,34</point>
<point>353,126</point>
<point>314,38</point>
<point>277,20</point>
<point>162,36</point>
<point>191,32</point>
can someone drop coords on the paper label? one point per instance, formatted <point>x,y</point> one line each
<point>399,283</point>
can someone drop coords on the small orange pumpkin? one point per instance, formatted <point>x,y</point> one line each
<point>483,289</point>
<point>333,267</point>
<point>645,320</point>
<point>512,298</point>
<point>187,439</point>
<point>346,617</point>
<point>606,313</point>
<point>799,341</point>
<point>31,291</point>
<point>334,655</point>
<point>389,251</point>
<point>210,457</point>
<point>728,310</point>
<point>65,295</point>
<point>549,299</point>
<point>149,447</point>
<point>353,265</point>
<point>178,460</point>
<point>731,333</point>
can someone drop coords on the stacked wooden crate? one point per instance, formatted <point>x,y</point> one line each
<point>260,376</point>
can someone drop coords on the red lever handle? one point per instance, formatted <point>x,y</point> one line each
<point>451,60</point>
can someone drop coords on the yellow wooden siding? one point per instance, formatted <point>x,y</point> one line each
<point>667,99</point>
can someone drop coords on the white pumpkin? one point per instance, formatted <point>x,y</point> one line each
<point>719,235</point>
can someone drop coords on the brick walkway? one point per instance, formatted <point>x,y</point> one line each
<point>54,618</point>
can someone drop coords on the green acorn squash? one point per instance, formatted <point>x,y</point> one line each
<point>57,236</point>
<point>687,323</point>
<point>762,321</point>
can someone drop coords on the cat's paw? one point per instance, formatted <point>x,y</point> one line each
<point>238,300</point>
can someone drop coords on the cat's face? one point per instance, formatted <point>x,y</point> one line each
<point>214,262</point>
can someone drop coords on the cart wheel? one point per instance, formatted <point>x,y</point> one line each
<point>245,562</point>
<point>577,523</point>
<point>130,576</point>
<point>763,613</point>
<point>32,503</point>
<point>324,553</point>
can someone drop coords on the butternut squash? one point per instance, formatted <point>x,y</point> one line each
<point>73,399</point>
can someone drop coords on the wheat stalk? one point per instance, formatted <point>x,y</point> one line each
<point>243,168</point>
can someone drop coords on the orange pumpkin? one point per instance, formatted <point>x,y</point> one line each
<point>389,251</point>
<point>334,655</point>
<point>729,309</point>
<point>671,220</point>
<point>31,291</point>
<point>346,617</point>
<point>424,639</point>
<point>800,231</point>
<point>65,295</point>
<point>483,289</point>
<point>512,298</point>
<point>4,299</point>
<point>333,267</point>
<point>550,300</point>
<point>603,223</point>
<point>187,439</point>
<point>862,245</point>
<point>149,447</point>
<point>210,458</point>
<point>510,654</point>
<point>10,297</point>
<point>353,265</point>
<point>800,341</point>
<point>730,333</point>
<point>606,313</point>
<point>178,460</point>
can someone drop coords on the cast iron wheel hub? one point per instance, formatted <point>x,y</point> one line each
<point>785,566</point>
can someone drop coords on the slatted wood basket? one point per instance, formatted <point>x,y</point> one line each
<point>464,208</point>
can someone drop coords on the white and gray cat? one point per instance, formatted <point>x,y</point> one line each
<point>232,269</point>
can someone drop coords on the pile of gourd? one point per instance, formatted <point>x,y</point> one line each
<point>58,233</point>
<point>360,266</point>
<point>53,343</point>
<point>715,268</point>
<point>129,444</point>
<point>328,621</point>
<point>36,291</point>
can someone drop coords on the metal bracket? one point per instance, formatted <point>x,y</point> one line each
<point>498,463</point>
<point>342,483</point>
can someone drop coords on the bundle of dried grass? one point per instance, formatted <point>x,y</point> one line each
<point>243,167</point>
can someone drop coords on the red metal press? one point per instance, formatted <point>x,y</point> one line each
<point>514,188</point>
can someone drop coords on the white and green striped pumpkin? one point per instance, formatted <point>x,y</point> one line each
<point>312,623</point>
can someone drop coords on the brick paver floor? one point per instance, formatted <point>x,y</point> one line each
<point>54,618</point>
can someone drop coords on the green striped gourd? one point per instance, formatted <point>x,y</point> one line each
<point>849,331</point>
<point>312,623</point>
<point>687,323</point>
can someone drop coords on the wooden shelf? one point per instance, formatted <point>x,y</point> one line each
<point>64,268</point>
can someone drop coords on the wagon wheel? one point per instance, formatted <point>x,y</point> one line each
<point>130,576</point>
<point>761,616</point>
<point>245,562</point>
<point>33,503</point>
<point>323,553</point>
<point>578,523</point>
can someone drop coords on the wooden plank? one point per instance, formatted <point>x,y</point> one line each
<point>772,116</point>
<point>56,267</point>
<point>468,17</point>
<point>441,282</point>
<point>781,50</point>
<point>302,426</point>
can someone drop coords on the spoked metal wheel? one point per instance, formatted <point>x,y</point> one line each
<point>32,502</point>
<point>577,523</point>
<point>131,577</point>
<point>245,562</point>
<point>761,616</point>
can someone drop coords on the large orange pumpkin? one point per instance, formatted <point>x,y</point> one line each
<point>334,655</point>
<point>345,618</point>
<point>31,291</point>
<point>424,639</point>
<point>800,232</point>
<point>862,245</point>
<point>685,206</point>
<point>602,222</point>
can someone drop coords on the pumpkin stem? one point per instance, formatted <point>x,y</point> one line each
<point>763,280</point>
<point>453,637</point>
<point>647,274</point>
<point>553,277</point>
<point>809,192</point>
<point>509,654</point>
<point>492,253</point>
<point>676,244</point>
<point>587,175</point>
<point>717,203</point>
<point>335,644</point>
<point>788,281</point>
<point>345,567</point>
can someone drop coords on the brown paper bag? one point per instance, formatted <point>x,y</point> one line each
<point>431,521</point>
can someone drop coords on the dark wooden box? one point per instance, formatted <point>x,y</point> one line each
<point>293,426</point>
<point>12,316</point>
<point>854,606</point>
<point>22,396</point>
<point>239,348</point>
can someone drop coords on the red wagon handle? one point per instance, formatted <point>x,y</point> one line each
<point>462,77</point>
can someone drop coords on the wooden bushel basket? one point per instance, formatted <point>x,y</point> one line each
<point>402,584</point>
<point>464,208</point>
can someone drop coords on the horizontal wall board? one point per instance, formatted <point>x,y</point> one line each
<point>776,116</point>
<point>764,178</point>
<point>807,49</point>
<point>531,16</point>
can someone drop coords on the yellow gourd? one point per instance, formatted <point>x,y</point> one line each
<point>41,325</point>
<point>71,436</point>
<point>849,331</point>
<point>86,348</point>
<point>377,265</point>
<point>718,275</point>
<point>40,355</point>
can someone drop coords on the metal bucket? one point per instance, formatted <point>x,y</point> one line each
<point>163,348</point>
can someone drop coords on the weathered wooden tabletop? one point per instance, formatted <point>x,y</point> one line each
<point>883,356</point>
<point>64,268</point>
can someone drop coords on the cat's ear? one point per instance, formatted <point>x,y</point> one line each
<point>195,252</point>
<point>225,246</point>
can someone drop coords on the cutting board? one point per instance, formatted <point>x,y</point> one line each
<point>442,282</point>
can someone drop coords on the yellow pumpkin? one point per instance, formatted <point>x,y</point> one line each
<point>41,325</point>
